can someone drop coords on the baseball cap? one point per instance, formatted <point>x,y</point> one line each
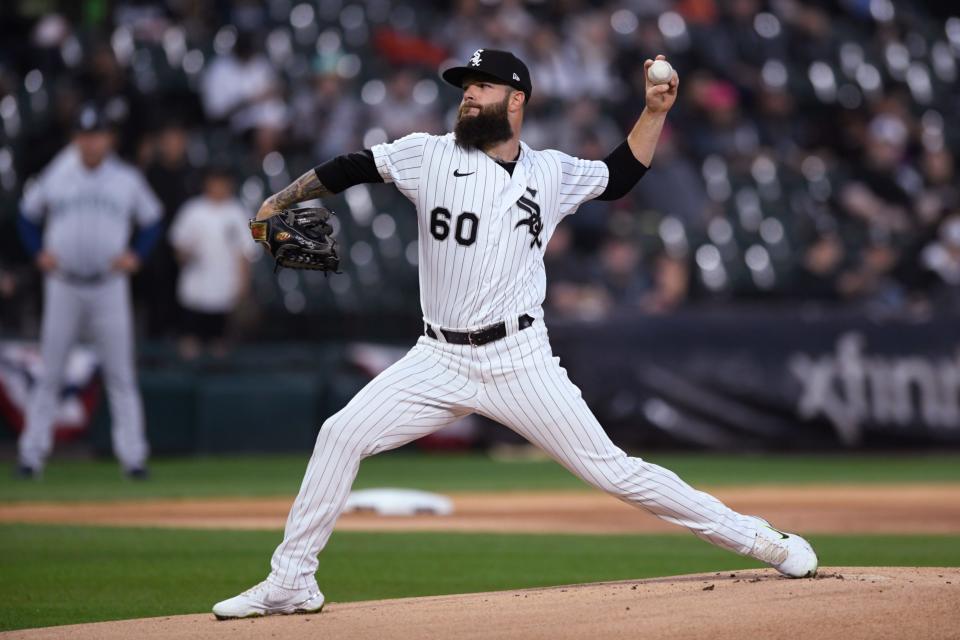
<point>501,66</point>
<point>91,118</point>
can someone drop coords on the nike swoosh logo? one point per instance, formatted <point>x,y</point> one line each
<point>457,174</point>
<point>783,536</point>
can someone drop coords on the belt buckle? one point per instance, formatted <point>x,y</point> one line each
<point>478,335</point>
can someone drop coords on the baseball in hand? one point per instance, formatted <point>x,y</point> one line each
<point>660,72</point>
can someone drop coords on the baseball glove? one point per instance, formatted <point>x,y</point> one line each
<point>299,239</point>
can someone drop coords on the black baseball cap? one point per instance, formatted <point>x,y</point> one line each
<point>501,66</point>
<point>90,118</point>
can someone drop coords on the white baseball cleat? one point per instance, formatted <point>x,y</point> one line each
<point>788,553</point>
<point>266,599</point>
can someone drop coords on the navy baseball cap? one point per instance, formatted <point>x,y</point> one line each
<point>501,66</point>
<point>91,118</point>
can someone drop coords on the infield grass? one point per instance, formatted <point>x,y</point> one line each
<point>281,475</point>
<point>62,575</point>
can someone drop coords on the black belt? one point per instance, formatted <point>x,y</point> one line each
<point>480,336</point>
<point>77,278</point>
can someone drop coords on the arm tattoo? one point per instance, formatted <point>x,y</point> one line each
<point>306,187</point>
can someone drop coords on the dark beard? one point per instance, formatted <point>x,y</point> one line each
<point>485,129</point>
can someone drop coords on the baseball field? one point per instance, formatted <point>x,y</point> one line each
<point>529,552</point>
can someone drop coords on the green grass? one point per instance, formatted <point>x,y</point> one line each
<point>60,575</point>
<point>281,475</point>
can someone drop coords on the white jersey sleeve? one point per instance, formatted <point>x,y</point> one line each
<point>181,234</point>
<point>580,180</point>
<point>42,191</point>
<point>400,162</point>
<point>34,201</point>
<point>147,206</point>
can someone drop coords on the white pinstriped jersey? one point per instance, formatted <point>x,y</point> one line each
<point>483,232</point>
<point>90,212</point>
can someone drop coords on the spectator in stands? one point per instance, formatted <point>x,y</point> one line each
<point>573,291</point>
<point>626,283</point>
<point>942,258</point>
<point>550,61</point>
<point>719,127</point>
<point>779,126</point>
<point>214,247</point>
<point>940,190</point>
<point>675,187</point>
<point>938,197</point>
<point>671,284</point>
<point>459,31</point>
<point>586,127</point>
<point>327,116</point>
<point>877,193</point>
<point>822,263</point>
<point>399,113</point>
<point>591,36</point>
<point>174,180</point>
<point>109,83</point>
<point>871,279</point>
<point>243,88</point>
<point>168,168</point>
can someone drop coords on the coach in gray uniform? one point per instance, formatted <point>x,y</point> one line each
<point>76,220</point>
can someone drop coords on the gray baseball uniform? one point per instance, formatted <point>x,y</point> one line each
<point>90,216</point>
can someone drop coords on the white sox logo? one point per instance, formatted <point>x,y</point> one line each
<point>475,59</point>
<point>534,222</point>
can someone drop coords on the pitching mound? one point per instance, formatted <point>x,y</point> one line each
<point>863,602</point>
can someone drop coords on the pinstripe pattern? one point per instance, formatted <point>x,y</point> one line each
<point>499,275</point>
<point>515,380</point>
<point>427,389</point>
<point>530,392</point>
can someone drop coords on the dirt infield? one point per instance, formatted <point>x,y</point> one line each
<point>849,603</point>
<point>810,509</point>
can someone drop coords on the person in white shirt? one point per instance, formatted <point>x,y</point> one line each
<point>213,245</point>
<point>243,88</point>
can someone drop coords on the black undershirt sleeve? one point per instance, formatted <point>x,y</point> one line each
<point>342,172</point>
<point>625,172</point>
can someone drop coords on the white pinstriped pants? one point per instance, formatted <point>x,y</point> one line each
<point>515,381</point>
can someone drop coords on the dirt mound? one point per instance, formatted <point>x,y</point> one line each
<point>850,603</point>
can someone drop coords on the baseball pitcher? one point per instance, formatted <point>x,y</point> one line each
<point>487,205</point>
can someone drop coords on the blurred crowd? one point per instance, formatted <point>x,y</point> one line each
<point>810,157</point>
